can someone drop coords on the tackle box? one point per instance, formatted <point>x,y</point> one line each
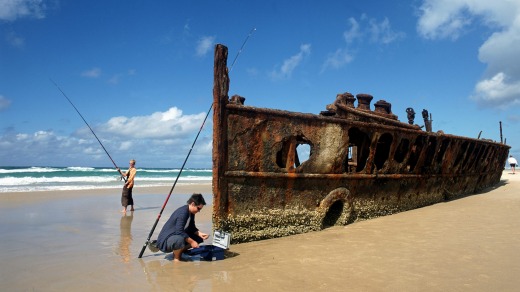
<point>215,251</point>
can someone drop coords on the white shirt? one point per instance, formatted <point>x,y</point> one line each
<point>512,160</point>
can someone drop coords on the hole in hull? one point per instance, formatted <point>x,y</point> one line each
<point>333,214</point>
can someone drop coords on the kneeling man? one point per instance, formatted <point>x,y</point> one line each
<point>180,233</point>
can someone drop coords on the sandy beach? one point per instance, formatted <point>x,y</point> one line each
<point>78,241</point>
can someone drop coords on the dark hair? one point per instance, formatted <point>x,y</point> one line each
<point>198,199</point>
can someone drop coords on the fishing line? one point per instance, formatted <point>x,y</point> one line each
<point>124,178</point>
<point>242,47</point>
<point>186,159</point>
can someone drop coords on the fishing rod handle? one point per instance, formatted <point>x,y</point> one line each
<point>151,233</point>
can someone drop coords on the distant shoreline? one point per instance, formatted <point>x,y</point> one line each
<point>8,199</point>
<point>38,179</point>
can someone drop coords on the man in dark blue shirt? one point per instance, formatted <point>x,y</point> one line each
<point>180,233</point>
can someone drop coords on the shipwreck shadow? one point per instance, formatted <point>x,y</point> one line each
<point>502,183</point>
<point>448,197</point>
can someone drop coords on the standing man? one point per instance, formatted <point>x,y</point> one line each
<point>126,196</point>
<point>512,162</point>
<point>180,233</point>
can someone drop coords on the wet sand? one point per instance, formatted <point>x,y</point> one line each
<point>78,241</point>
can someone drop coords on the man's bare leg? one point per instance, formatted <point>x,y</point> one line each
<point>177,255</point>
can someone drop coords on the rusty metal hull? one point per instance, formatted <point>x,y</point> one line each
<point>362,164</point>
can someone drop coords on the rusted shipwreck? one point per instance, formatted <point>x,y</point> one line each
<point>362,164</point>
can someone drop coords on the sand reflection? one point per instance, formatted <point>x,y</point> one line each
<point>164,274</point>
<point>126,236</point>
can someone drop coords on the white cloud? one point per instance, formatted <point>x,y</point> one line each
<point>353,33</point>
<point>498,90</point>
<point>291,63</point>
<point>161,139</point>
<point>4,102</point>
<point>92,73</point>
<point>337,59</point>
<point>21,137</point>
<point>500,50</point>
<point>441,20</point>
<point>11,10</point>
<point>204,45</point>
<point>449,19</point>
<point>43,135</point>
<point>378,32</point>
<point>159,125</point>
<point>382,32</point>
<point>126,145</point>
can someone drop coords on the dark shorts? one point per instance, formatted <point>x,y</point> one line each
<point>512,164</point>
<point>176,242</point>
<point>126,197</point>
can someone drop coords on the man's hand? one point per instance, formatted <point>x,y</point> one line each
<point>203,235</point>
<point>194,244</point>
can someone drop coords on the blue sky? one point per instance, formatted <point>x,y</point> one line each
<point>141,72</point>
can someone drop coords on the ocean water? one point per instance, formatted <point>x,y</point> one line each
<point>32,179</point>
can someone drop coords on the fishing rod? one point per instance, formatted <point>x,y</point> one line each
<point>186,159</point>
<point>124,178</point>
<point>171,190</point>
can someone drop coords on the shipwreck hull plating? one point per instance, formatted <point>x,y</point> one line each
<point>362,164</point>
